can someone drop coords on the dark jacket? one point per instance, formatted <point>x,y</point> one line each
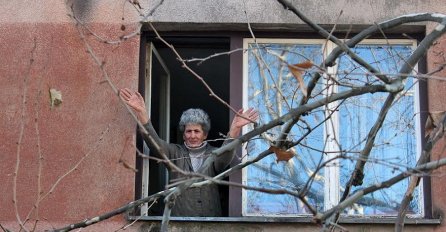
<point>194,202</point>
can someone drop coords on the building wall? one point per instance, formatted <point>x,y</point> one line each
<point>90,130</point>
<point>271,12</point>
<point>74,149</point>
<point>437,103</point>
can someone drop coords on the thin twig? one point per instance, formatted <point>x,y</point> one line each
<point>56,183</point>
<point>334,39</point>
<point>415,180</point>
<point>118,211</point>
<point>385,184</point>
<point>40,166</point>
<point>21,133</point>
<point>122,38</point>
<point>196,75</point>
<point>201,60</point>
<point>4,229</point>
<point>138,218</point>
<point>106,77</point>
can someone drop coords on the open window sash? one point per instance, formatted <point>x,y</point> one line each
<point>157,99</point>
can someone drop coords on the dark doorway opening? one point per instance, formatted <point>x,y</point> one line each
<point>187,91</point>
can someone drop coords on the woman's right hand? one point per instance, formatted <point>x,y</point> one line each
<point>136,102</point>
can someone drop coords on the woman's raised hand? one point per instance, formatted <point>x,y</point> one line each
<point>243,118</point>
<point>136,102</point>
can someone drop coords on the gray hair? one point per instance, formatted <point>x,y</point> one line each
<point>195,116</point>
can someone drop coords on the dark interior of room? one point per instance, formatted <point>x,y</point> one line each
<point>186,91</point>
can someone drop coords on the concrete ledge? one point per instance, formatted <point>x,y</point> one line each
<point>343,220</point>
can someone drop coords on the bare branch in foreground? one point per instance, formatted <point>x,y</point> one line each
<point>426,167</point>
<point>113,213</point>
<point>437,134</point>
<point>196,75</point>
<point>335,40</point>
<point>385,184</point>
<point>21,133</point>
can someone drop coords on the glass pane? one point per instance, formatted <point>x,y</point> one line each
<point>273,90</point>
<point>395,148</point>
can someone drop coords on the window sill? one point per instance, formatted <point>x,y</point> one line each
<point>249,219</point>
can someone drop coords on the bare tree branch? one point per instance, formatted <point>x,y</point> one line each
<point>118,211</point>
<point>300,110</point>
<point>4,229</point>
<point>184,65</point>
<point>437,134</point>
<point>334,39</point>
<point>358,173</point>
<point>21,134</point>
<point>122,38</point>
<point>201,60</point>
<point>385,184</point>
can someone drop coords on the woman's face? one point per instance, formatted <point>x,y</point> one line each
<point>194,135</point>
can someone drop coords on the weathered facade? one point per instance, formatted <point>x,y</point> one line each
<point>74,155</point>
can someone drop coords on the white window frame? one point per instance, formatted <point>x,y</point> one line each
<point>152,54</point>
<point>332,172</point>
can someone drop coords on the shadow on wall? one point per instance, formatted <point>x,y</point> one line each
<point>81,8</point>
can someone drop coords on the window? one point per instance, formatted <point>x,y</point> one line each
<point>271,88</point>
<point>397,144</point>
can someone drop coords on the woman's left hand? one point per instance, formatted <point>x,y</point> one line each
<point>241,119</point>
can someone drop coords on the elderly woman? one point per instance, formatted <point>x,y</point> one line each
<point>194,155</point>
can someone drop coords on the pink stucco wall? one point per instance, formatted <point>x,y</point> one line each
<point>90,131</point>
<point>91,127</point>
<point>437,103</point>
